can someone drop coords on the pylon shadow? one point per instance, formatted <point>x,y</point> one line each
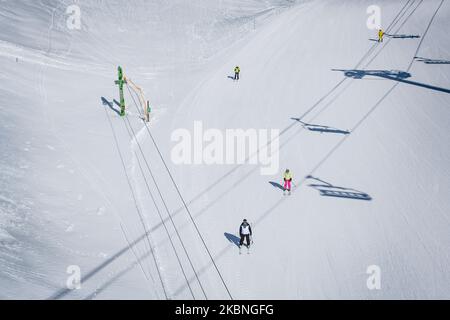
<point>320,128</point>
<point>326,189</point>
<point>394,75</point>
<point>432,61</point>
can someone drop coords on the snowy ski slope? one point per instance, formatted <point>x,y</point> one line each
<point>363,127</point>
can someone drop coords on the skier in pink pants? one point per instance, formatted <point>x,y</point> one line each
<point>287,180</point>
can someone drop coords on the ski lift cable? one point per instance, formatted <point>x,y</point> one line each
<point>185,205</point>
<point>132,134</point>
<point>166,207</point>
<point>135,203</point>
<point>159,214</point>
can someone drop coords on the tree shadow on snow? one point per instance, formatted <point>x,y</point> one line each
<point>110,105</point>
<point>232,238</point>
<point>328,190</point>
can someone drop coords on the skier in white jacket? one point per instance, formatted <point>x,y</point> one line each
<point>245,231</point>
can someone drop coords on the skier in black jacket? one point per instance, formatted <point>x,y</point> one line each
<point>245,231</point>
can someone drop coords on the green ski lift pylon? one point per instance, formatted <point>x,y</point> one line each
<point>147,113</point>
<point>120,82</point>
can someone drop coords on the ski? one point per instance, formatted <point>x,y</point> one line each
<point>248,250</point>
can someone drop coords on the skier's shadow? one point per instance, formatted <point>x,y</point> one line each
<point>276,185</point>
<point>232,238</point>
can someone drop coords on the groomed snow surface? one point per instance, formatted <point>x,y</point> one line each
<point>363,128</point>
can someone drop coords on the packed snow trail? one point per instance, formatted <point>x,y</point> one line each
<point>316,104</point>
<point>377,199</point>
<point>341,110</point>
<point>61,175</point>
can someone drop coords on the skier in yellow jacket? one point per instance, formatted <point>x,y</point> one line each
<point>380,35</point>
<point>237,71</point>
